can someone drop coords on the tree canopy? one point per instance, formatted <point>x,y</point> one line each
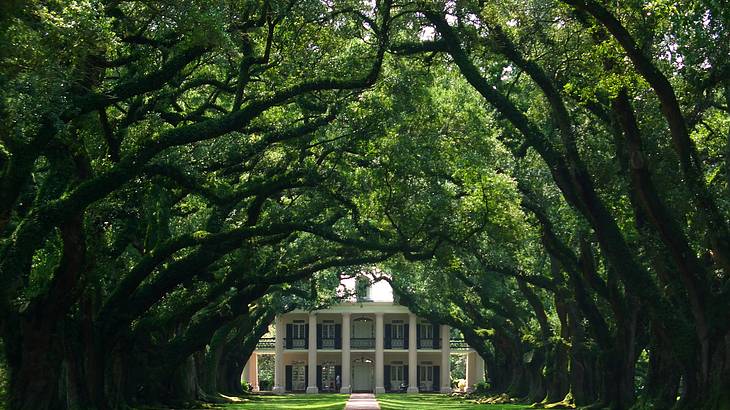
<point>551,178</point>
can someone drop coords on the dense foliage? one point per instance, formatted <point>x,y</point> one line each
<point>551,178</point>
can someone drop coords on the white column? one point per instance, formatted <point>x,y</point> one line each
<point>346,387</point>
<point>312,355</point>
<point>246,375</point>
<point>379,355</point>
<point>253,375</point>
<point>445,360</point>
<point>412,355</point>
<point>279,387</point>
<point>471,373</point>
<point>479,365</point>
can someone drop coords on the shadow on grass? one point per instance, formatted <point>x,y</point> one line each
<point>288,401</point>
<point>437,401</point>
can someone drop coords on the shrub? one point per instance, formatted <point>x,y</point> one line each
<point>481,387</point>
<point>265,384</point>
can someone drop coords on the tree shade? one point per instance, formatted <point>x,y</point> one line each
<point>549,178</point>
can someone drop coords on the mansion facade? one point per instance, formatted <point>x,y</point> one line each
<point>362,346</point>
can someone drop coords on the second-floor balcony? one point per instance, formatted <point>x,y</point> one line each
<point>268,343</point>
<point>397,344</point>
<point>327,344</point>
<point>362,343</point>
<point>296,343</point>
<point>427,344</point>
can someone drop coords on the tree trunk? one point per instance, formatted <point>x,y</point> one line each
<point>579,366</point>
<point>663,375</point>
<point>557,368</point>
<point>35,371</point>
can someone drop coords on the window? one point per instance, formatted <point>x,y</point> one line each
<point>328,330</point>
<point>396,331</point>
<point>298,376</point>
<point>396,374</point>
<point>426,373</point>
<point>298,330</point>
<point>426,331</point>
<point>298,334</point>
<point>362,289</point>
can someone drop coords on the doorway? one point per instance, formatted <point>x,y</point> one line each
<point>362,375</point>
<point>298,378</point>
<point>425,377</point>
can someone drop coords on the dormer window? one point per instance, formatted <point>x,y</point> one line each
<point>362,289</point>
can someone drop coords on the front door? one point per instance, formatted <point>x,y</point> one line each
<point>362,377</point>
<point>425,378</point>
<point>298,377</point>
<point>396,376</point>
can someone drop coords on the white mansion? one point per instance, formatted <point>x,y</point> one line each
<point>362,346</point>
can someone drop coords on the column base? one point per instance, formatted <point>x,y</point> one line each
<point>345,390</point>
<point>379,390</point>
<point>446,390</point>
<point>278,390</point>
<point>412,390</point>
<point>469,390</point>
<point>312,390</point>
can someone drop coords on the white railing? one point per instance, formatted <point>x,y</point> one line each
<point>362,343</point>
<point>426,343</point>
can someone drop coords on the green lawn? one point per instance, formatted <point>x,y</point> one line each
<point>391,401</point>
<point>291,401</point>
<point>395,401</point>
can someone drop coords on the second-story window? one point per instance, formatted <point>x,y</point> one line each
<point>298,331</point>
<point>426,331</point>
<point>328,330</point>
<point>396,330</point>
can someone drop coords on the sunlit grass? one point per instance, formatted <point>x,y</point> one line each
<point>391,401</point>
<point>436,401</point>
<point>291,401</point>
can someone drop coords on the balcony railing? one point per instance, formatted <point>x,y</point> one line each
<point>425,344</point>
<point>458,344</point>
<point>398,344</point>
<point>362,343</point>
<point>269,343</point>
<point>295,343</point>
<point>266,343</point>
